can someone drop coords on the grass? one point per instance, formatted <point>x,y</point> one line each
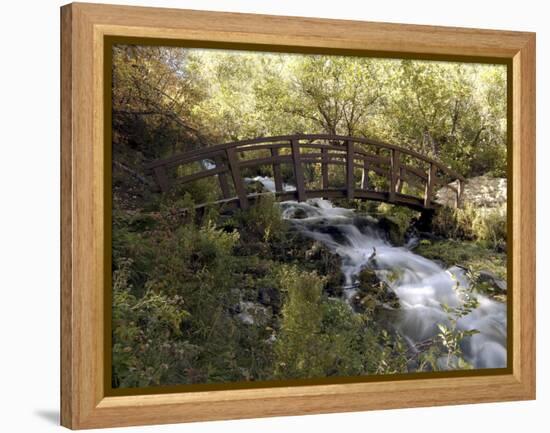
<point>468,254</point>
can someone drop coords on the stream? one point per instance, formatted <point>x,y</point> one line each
<point>421,285</point>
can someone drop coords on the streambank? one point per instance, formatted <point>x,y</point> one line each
<point>430,294</point>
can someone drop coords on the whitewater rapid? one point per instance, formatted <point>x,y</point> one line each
<point>421,285</point>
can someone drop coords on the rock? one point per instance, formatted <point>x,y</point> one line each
<point>326,263</point>
<point>335,284</point>
<point>481,191</point>
<point>373,293</point>
<point>270,297</point>
<point>365,224</point>
<point>335,232</point>
<point>501,247</point>
<point>316,251</point>
<point>253,313</point>
<point>391,229</point>
<point>297,214</point>
<point>255,186</point>
<point>489,280</point>
<point>367,278</point>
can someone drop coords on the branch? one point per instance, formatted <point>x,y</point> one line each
<point>132,172</point>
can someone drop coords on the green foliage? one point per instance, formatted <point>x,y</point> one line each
<point>263,220</point>
<point>393,357</point>
<point>468,254</point>
<point>319,337</point>
<point>451,337</point>
<point>299,344</point>
<point>145,331</point>
<point>487,226</point>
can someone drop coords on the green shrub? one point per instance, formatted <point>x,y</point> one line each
<point>263,220</point>
<point>299,344</point>
<point>320,337</point>
<point>484,225</point>
<point>146,347</point>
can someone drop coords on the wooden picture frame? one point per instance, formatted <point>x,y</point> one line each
<point>84,161</point>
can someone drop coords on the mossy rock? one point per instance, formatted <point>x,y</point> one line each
<point>298,214</point>
<point>367,279</point>
<point>373,293</point>
<point>270,297</point>
<point>490,284</point>
<point>254,187</point>
<point>392,230</point>
<point>328,264</point>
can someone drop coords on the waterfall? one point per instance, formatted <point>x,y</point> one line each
<point>421,285</point>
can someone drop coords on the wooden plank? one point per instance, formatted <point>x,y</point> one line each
<point>265,161</point>
<point>324,145</point>
<point>400,180</point>
<point>204,152</point>
<point>201,175</point>
<point>222,178</point>
<point>365,175</point>
<point>161,178</point>
<point>69,355</point>
<point>238,181</point>
<point>277,177</point>
<point>298,170</point>
<point>254,146</point>
<point>429,186</point>
<point>350,182</point>
<point>521,205</point>
<point>324,167</point>
<point>394,174</point>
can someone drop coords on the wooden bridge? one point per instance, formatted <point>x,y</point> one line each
<point>361,169</point>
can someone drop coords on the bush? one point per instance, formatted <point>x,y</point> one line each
<point>299,345</point>
<point>263,220</point>
<point>320,337</point>
<point>145,332</point>
<point>485,225</point>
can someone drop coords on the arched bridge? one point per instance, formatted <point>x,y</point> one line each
<point>360,168</point>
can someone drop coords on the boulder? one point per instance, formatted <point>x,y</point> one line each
<point>328,264</point>
<point>373,293</point>
<point>391,229</point>
<point>270,297</point>
<point>488,280</point>
<point>255,187</point>
<point>253,313</point>
<point>481,191</point>
<point>297,214</point>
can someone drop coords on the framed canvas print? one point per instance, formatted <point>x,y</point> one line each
<point>269,216</point>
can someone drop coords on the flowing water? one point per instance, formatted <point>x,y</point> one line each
<point>421,285</point>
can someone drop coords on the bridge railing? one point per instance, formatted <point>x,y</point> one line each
<point>370,158</point>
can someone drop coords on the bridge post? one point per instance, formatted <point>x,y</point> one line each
<point>350,181</point>
<point>162,180</point>
<point>277,177</point>
<point>298,170</point>
<point>395,170</point>
<point>400,180</point>
<point>324,167</point>
<point>429,186</point>
<point>365,175</point>
<point>424,223</point>
<point>224,186</point>
<point>237,178</point>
